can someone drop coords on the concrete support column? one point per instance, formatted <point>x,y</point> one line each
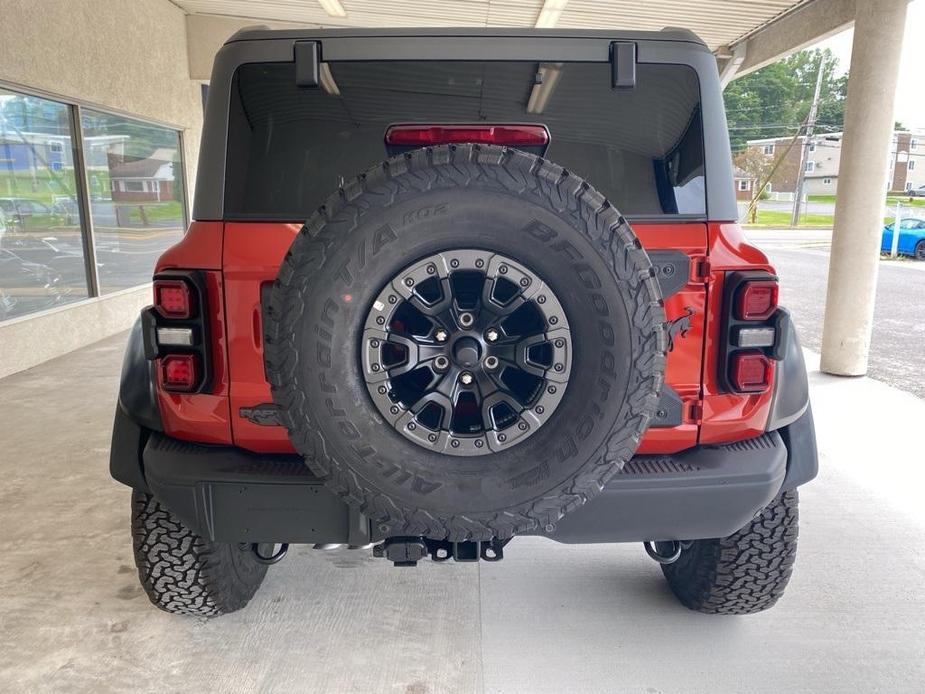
<point>862,179</point>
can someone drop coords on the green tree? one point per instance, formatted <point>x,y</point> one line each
<point>774,101</point>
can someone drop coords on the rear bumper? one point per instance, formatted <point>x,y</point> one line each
<point>230,495</point>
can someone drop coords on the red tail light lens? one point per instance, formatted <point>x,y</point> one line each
<point>173,299</point>
<point>180,372</point>
<point>423,135</point>
<point>756,300</point>
<point>750,372</point>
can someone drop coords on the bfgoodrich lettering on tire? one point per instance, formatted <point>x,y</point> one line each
<point>351,316</point>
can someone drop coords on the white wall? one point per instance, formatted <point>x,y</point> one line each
<point>123,55</point>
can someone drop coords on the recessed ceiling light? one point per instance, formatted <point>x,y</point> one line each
<point>549,15</point>
<point>333,8</point>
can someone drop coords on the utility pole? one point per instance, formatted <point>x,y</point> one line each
<point>804,156</point>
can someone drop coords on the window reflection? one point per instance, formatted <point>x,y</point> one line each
<point>137,202</point>
<point>41,250</point>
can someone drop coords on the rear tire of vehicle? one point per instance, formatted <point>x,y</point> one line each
<point>181,572</point>
<point>920,250</point>
<point>440,200</point>
<point>744,573</point>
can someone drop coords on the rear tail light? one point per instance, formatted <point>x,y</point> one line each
<point>755,337</point>
<point>177,333</point>
<point>424,135</point>
<point>756,300</point>
<point>175,337</point>
<point>180,372</point>
<point>750,372</point>
<point>173,299</point>
<point>751,333</point>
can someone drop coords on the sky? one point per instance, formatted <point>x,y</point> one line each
<point>910,94</point>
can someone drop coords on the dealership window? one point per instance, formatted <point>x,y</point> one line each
<point>908,185</point>
<point>768,149</point>
<point>810,166</point>
<point>913,143</point>
<point>43,235</point>
<point>827,181</point>
<point>744,184</point>
<point>136,219</point>
<point>912,165</point>
<point>41,244</point>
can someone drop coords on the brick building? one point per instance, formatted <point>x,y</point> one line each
<point>822,163</point>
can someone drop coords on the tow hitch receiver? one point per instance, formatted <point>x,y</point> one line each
<point>408,551</point>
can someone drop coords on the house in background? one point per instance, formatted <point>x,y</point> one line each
<point>822,162</point>
<point>143,180</point>
<point>744,185</point>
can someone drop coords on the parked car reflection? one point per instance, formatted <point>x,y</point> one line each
<point>911,238</point>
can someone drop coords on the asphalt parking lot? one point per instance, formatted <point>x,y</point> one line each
<point>897,353</point>
<point>549,618</point>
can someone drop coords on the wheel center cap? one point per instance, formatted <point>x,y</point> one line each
<point>467,351</point>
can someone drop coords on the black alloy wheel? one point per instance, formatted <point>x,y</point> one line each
<point>466,352</point>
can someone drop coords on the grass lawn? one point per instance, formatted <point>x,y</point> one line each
<point>777,218</point>
<point>48,184</point>
<point>780,218</point>
<point>891,200</point>
<point>907,202</point>
<point>153,211</point>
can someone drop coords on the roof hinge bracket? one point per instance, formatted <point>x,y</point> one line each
<point>622,65</point>
<point>307,62</point>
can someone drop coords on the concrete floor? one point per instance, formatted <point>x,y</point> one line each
<point>549,618</point>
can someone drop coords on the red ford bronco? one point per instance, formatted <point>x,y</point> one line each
<point>520,305</point>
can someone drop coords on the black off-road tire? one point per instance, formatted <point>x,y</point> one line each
<point>184,574</point>
<point>435,200</point>
<point>744,573</point>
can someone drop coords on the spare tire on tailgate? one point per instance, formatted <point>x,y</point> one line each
<point>465,342</point>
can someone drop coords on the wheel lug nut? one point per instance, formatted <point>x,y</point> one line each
<point>491,335</point>
<point>441,363</point>
<point>440,335</point>
<point>466,319</point>
<point>465,378</point>
<point>491,363</point>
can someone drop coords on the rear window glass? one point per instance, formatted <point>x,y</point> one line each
<point>290,147</point>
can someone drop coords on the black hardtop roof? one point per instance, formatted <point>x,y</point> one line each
<point>263,32</point>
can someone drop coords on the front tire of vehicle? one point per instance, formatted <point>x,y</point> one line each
<point>920,250</point>
<point>744,573</point>
<point>183,573</point>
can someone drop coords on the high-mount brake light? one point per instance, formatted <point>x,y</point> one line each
<point>173,299</point>
<point>756,300</point>
<point>424,135</point>
<point>180,372</point>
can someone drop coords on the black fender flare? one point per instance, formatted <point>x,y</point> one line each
<point>137,413</point>
<point>791,414</point>
<point>790,399</point>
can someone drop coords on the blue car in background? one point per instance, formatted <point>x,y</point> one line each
<point>911,238</point>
